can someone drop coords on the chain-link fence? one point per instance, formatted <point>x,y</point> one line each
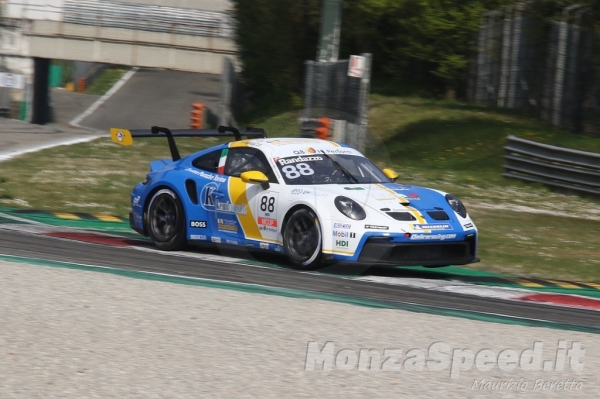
<point>553,78</point>
<point>331,91</point>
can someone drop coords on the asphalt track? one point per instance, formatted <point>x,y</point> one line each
<point>28,245</point>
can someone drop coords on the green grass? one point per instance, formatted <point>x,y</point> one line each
<point>105,81</point>
<point>525,229</point>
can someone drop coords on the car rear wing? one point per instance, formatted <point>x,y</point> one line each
<point>125,136</point>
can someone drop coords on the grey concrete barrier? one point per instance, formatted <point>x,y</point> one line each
<point>553,166</point>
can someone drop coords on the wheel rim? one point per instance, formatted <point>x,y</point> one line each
<point>303,238</point>
<point>164,219</point>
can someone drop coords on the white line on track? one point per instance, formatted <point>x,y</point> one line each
<point>101,100</point>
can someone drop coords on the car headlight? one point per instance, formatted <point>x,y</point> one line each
<point>456,205</point>
<point>350,208</point>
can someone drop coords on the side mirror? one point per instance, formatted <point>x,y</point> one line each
<point>255,177</point>
<point>390,174</point>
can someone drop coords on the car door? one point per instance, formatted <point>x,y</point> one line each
<point>248,211</point>
<point>202,219</point>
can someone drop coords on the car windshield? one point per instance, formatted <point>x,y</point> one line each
<point>329,169</point>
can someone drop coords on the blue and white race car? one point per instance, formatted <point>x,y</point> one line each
<point>315,201</point>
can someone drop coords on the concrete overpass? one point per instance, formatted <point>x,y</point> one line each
<point>143,33</point>
<point>170,34</point>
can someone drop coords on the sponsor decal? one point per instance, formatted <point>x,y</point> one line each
<point>208,199</point>
<point>353,188</point>
<point>206,175</point>
<point>301,191</point>
<point>468,226</point>
<point>201,224</point>
<point>338,151</point>
<point>287,161</point>
<point>397,188</point>
<point>440,237</point>
<point>375,227</point>
<point>344,234</point>
<point>249,244</point>
<point>278,248</point>
<point>267,222</point>
<point>264,245</point>
<point>342,225</point>
<point>311,150</point>
<point>413,196</point>
<point>298,152</point>
<point>268,228</point>
<point>386,198</point>
<point>341,243</point>
<point>198,237</point>
<point>232,242</point>
<point>216,239</point>
<point>433,226</point>
<point>227,225</point>
<point>231,208</point>
<point>136,201</point>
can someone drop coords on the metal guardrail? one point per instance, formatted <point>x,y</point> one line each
<point>552,166</point>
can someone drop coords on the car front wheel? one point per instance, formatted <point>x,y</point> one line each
<point>166,221</point>
<point>302,239</point>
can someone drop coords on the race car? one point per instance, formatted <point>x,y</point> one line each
<point>313,200</point>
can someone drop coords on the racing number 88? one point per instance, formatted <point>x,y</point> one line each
<point>294,171</point>
<point>267,204</point>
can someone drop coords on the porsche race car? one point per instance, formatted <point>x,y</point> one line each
<point>313,200</point>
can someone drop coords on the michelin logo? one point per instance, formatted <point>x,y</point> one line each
<point>440,237</point>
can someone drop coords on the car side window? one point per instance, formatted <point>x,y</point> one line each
<point>208,162</point>
<point>241,160</point>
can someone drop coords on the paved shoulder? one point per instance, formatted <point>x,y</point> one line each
<point>18,137</point>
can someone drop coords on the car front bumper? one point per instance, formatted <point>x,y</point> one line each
<point>379,250</point>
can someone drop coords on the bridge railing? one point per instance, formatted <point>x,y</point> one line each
<point>553,166</point>
<point>115,14</point>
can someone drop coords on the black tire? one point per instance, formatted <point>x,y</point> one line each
<point>166,221</point>
<point>302,239</point>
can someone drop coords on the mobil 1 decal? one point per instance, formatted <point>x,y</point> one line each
<point>266,214</point>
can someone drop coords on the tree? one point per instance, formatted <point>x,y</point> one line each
<point>275,37</point>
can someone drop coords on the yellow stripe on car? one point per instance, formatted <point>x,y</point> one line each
<point>241,143</point>
<point>237,193</point>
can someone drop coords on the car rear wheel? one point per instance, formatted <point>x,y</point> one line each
<point>166,221</point>
<point>302,239</point>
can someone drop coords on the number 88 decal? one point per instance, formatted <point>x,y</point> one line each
<point>267,204</point>
<point>295,171</point>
